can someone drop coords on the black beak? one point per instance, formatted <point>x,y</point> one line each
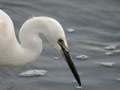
<point>70,63</point>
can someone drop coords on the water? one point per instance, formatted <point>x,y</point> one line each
<point>33,73</point>
<point>96,24</point>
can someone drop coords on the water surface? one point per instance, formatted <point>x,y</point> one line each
<point>96,24</point>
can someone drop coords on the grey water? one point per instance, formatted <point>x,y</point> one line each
<point>96,24</point>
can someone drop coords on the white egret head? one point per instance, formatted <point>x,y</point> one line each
<point>55,33</point>
<point>56,37</point>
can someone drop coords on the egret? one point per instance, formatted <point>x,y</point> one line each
<point>13,53</point>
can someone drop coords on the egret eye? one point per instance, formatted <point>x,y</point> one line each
<point>60,41</point>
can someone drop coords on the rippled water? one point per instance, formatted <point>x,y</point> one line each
<point>96,24</point>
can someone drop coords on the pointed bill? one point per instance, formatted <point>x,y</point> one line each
<point>70,64</point>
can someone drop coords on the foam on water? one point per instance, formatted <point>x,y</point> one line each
<point>118,79</point>
<point>106,64</point>
<point>82,57</point>
<point>56,58</point>
<point>74,81</point>
<point>78,87</point>
<point>30,73</point>
<point>70,30</point>
<point>110,47</point>
<point>108,53</point>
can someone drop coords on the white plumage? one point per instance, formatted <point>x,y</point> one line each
<point>14,54</point>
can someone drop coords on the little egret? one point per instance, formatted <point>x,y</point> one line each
<point>14,54</point>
